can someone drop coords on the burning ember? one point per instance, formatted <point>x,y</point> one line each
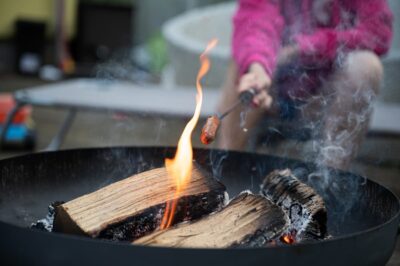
<point>288,239</point>
<point>179,168</point>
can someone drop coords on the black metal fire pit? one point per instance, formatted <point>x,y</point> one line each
<point>363,217</point>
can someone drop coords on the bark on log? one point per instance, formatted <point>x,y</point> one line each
<point>133,207</point>
<point>305,208</point>
<point>247,221</point>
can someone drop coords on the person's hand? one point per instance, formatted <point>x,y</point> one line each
<point>287,55</point>
<point>259,80</point>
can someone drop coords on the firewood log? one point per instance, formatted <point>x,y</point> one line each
<point>247,221</point>
<point>134,206</point>
<point>305,208</point>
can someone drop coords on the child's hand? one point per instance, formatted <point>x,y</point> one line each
<point>257,79</point>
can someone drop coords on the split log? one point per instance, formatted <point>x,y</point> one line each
<point>247,221</point>
<point>134,206</point>
<point>305,208</point>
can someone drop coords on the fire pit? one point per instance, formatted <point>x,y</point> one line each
<point>363,226</point>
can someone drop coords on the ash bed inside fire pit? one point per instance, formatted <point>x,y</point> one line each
<point>362,216</point>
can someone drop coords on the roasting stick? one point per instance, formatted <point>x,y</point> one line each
<point>210,128</point>
<point>245,99</point>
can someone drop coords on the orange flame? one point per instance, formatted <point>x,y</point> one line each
<point>180,167</point>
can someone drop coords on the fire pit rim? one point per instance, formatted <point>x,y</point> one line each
<point>121,243</point>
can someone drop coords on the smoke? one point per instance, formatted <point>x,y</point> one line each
<point>338,133</point>
<point>243,116</point>
<point>333,120</point>
<point>120,66</point>
<point>347,115</point>
<point>217,159</point>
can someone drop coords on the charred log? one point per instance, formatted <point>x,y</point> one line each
<point>247,221</point>
<point>305,208</point>
<point>133,207</point>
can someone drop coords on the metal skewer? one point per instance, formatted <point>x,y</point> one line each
<point>245,99</point>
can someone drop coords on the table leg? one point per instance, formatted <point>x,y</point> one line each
<point>58,139</point>
<point>9,119</point>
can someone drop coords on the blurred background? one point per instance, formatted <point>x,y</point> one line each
<point>73,44</point>
<point>46,42</point>
<point>77,35</point>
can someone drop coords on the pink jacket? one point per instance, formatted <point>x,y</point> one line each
<point>321,28</point>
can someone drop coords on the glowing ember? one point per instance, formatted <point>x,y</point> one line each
<point>180,167</point>
<point>288,239</point>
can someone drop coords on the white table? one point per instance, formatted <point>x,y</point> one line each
<point>118,96</point>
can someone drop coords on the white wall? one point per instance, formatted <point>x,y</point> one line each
<point>395,6</point>
<point>391,83</point>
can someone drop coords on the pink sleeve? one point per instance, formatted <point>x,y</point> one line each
<point>373,31</point>
<point>257,34</point>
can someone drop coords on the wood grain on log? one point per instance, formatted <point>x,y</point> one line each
<point>248,220</point>
<point>134,206</point>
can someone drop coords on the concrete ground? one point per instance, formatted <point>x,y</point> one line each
<point>379,159</point>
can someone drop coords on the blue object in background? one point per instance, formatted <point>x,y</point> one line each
<point>16,133</point>
<point>19,137</point>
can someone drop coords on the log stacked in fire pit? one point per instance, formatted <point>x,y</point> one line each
<point>305,208</point>
<point>287,211</point>
<point>132,207</point>
<point>248,220</point>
